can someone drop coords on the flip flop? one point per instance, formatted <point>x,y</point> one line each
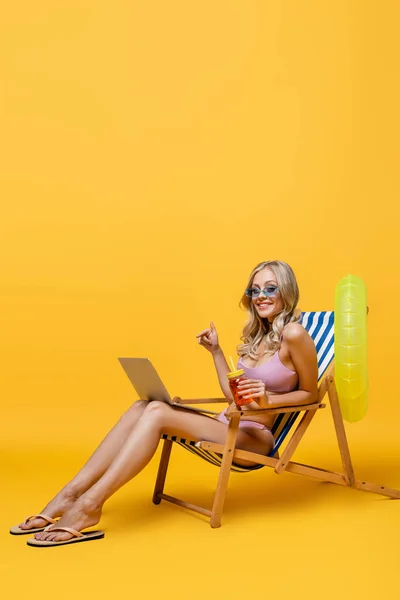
<point>78,537</point>
<point>16,530</point>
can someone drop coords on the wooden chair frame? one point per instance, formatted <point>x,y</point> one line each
<point>280,464</point>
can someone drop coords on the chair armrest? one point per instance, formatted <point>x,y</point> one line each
<point>178,400</point>
<point>276,411</point>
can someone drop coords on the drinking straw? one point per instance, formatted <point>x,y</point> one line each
<point>232,365</point>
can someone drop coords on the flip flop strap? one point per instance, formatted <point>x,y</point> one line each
<point>67,529</point>
<point>41,516</point>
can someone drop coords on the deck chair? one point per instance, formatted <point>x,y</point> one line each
<point>320,326</point>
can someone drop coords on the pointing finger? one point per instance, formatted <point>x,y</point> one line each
<point>204,332</point>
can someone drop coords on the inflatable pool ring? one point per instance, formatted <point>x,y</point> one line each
<point>350,345</point>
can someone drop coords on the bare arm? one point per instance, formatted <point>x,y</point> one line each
<point>222,369</point>
<point>208,338</point>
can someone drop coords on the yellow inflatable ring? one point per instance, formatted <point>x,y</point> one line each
<point>350,346</point>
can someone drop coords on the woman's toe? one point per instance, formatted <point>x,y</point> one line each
<point>32,524</point>
<point>59,537</point>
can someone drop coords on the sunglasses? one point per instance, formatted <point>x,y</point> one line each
<point>271,290</point>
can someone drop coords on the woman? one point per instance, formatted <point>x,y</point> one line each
<point>280,362</point>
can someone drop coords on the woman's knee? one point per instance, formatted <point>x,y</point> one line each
<point>136,409</point>
<point>156,410</point>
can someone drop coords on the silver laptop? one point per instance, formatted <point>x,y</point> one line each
<point>148,384</point>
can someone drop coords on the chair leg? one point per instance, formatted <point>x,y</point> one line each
<point>162,471</point>
<point>224,472</point>
<point>340,432</point>
<point>294,441</point>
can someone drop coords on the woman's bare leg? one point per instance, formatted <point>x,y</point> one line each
<point>94,468</point>
<point>138,450</point>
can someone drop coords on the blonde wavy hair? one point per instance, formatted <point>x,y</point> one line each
<point>257,328</point>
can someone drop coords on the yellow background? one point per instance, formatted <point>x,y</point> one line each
<point>151,154</point>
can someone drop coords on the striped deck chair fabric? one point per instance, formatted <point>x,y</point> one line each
<point>320,326</point>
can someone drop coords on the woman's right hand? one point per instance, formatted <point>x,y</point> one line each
<point>208,338</point>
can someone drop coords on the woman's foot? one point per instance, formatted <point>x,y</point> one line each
<point>56,508</point>
<point>84,513</point>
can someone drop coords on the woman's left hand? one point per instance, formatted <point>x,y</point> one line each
<point>254,388</point>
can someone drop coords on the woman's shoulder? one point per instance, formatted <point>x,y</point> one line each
<point>293,331</point>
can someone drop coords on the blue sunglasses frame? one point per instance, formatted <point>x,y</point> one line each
<point>271,290</point>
